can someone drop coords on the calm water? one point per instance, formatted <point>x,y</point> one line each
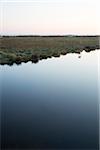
<point>51,104</point>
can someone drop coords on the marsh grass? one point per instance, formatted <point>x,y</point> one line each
<point>17,49</point>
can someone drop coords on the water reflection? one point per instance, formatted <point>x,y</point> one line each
<point>51,104</point>
<point>35,58</point>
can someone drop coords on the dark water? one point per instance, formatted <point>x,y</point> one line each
<point>52,104</point>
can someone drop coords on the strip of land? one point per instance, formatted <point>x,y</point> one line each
<point>17,49</point>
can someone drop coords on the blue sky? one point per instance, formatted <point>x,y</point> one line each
<point>49,17</point>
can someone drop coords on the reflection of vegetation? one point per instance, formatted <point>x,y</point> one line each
<point>17,49</point>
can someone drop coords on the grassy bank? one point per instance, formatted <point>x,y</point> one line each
<point>17,49</point>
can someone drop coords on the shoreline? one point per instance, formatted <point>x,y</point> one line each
<point>18,49</point>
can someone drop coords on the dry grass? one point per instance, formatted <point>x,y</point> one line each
<point>25,48</point>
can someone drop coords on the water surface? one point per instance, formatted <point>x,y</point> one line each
<point>51,104</point>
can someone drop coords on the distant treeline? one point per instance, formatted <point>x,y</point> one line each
<point>49,36</point>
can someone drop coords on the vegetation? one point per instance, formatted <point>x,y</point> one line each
<point>17,49</point>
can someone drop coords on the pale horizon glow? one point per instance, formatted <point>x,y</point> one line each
<point>49,17</point>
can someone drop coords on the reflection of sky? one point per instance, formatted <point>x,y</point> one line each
<point>53,73</point>
<point>71,62</point>
<point>50,17</point>
<point>75,71</point>
<point>70,73</point>
<point>56,97</point>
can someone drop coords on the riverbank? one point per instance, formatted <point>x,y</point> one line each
<point>17,49</point>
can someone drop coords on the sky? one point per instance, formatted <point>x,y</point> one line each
<point>49,17</point>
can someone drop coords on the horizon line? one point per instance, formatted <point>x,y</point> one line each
<point>49,35</point>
